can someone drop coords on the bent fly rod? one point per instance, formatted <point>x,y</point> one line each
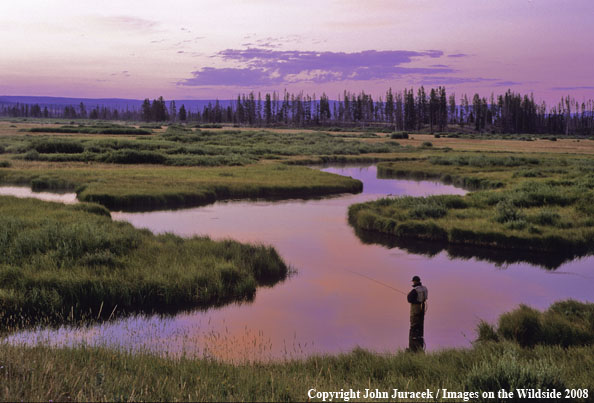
<point>377,281</point>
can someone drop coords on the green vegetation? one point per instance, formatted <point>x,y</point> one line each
<point>400,135</point>
<point>60,263</point>
<point>71,263</point>
<point>565,323</point>
<point>182,146</point>
<point>95,129</point>
<point>91,165</point>
<point>533,203</point>
<point>98,374</point>
<point>423,110</point>
<point>209,126</point>
<point>138,188</point>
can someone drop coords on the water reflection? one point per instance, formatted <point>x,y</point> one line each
<point>22,191</point>
<point>499,257</point>
<point>326,307</point>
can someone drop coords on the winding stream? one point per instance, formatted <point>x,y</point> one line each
<point>328,306</point>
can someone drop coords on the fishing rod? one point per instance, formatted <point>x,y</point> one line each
<point>385,285</point>
<point>376,281</point>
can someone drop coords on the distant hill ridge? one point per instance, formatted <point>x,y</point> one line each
<point>113,103</point>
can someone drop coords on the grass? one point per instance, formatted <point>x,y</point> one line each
<point>490,143</point>
<point>539,203</point>
<point>139,188</point>
<point>99,374</point>
<point>60,263</point>
<point>93,129</point>
<point>66,263</point>
<point>565,323</point>
<point>114,171</point>
<point>183,146</point>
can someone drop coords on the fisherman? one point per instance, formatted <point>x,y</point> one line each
<point>417,299</point>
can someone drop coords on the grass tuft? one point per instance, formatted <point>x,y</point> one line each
<point>566,323</point>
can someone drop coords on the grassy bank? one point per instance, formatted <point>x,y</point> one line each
<point>141,188</point>
<point>95,374</point>
<point>529,202</point>
<point>61,263</point>
<point>565,323</point>
<point>179,166</point>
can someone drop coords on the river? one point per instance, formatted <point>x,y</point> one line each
<point>334,301</point>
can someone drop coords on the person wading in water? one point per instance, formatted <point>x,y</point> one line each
<point>417,299</point>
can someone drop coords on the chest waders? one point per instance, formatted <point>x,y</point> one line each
<point>416,341</point>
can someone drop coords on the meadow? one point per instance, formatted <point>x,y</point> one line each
<point>519,201</point>
<point>178,167</point>
<point>179,145</point>
<point>137,187</point>
<point>73,264</point>
<point>536,203</point>
<point>526,349</point>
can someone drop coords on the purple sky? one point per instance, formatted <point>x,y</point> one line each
<point>216,49</point>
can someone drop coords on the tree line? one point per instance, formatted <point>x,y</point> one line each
<point>431,110</point>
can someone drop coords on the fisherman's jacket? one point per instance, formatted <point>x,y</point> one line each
<point>418,295</point>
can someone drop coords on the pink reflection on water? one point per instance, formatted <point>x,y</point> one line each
<point>325,307</point>
<point>23,192</point>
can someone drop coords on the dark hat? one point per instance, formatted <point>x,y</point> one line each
<point>416,278</point>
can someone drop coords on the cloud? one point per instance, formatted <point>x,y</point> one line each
<point>583,87</point>
<point>230,76</point>
<point>271,45</point>
<point>459,55</point>
<point>507,83</point>
<point>124,73</point>
<point>453,80</point>
<point>278,41</point>
<point>270,67</point>
<point>128,23</point>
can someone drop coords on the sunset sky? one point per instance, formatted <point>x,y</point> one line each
<point>203,49</point>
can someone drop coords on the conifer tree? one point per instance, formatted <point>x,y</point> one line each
<point>182,113</point>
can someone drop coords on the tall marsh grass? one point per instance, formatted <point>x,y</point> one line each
<point>70,262</point>
<point>565,323</point>
<point>98,374</point>
<point>549,212</point>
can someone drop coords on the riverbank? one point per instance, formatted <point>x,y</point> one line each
<point>96,374</point>
<point>530,202</point>
<point>61,264</point>
<point>179,166</point>
<point>138,188</point>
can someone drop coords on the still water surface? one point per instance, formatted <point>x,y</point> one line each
<point>22,191</point>
<point>326,307</point>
